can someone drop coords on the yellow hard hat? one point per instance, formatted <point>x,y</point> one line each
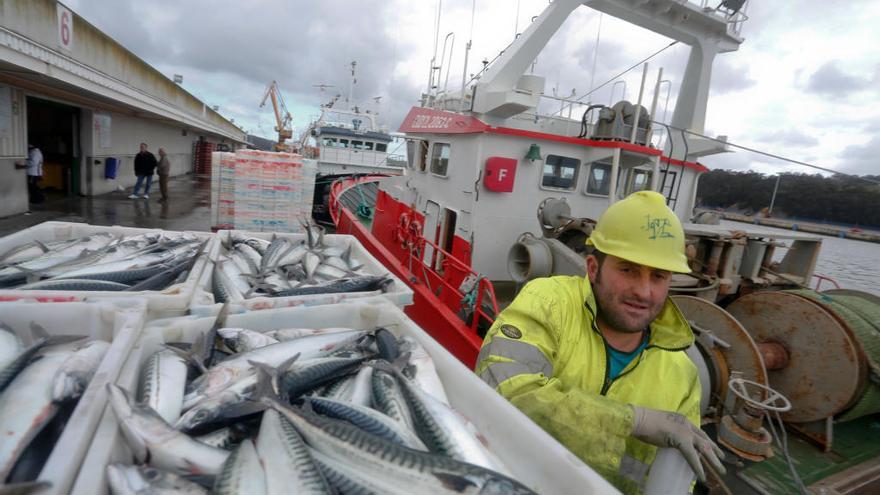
<point>642,229</point>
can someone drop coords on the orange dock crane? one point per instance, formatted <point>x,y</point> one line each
<point>282,116</point>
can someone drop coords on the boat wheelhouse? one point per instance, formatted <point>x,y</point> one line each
<point>350,142</point>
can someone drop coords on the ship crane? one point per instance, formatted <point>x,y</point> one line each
<point>282,116</point>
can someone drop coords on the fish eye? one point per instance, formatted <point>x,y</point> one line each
<point>151,474</point>
<point>201,414</point>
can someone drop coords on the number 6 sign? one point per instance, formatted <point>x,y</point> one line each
<point>65,27</point>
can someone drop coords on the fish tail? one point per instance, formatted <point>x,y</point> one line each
<point>188,356</point>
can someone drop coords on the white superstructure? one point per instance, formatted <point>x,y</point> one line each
<point>482,158</point>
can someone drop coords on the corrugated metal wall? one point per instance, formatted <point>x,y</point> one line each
<point>14,143</point>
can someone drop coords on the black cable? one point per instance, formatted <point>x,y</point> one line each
<point>768,154</point>
<point>597,88</point>
<point>584,126</point>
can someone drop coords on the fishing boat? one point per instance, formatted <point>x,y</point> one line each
<point>346,141</point>
<point>486,161</point>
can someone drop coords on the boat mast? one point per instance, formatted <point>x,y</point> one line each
<point>351,84</point>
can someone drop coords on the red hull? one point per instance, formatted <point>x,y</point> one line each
<point>436,314</point>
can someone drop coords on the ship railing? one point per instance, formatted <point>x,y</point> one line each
<point>821,278</point>
<point>733,11</point>
<point>348,156</point>
<point>448,279</point>
<point>446,286</point>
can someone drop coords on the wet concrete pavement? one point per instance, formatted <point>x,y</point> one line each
<point>189,208</point>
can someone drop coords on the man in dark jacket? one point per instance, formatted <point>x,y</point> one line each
<point>144,166</point>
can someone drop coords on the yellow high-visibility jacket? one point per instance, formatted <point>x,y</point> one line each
<point>545,354</point>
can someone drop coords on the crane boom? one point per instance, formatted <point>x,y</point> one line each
<point>282,116</point>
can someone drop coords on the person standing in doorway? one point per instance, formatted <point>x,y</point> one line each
<point>164,171</point>
<point>144,167</point>
<point>34,166</point>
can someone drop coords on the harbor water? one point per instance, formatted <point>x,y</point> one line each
<point>853,264</point>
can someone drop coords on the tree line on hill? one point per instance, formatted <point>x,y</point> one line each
<point>836,199</point>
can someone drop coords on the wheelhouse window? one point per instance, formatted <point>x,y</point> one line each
<point>599,179</point>
<point>329,142</point>
<point>343,143</point>
<point>358,145</point>
<point>440,158</point>
<point>639,180</point>
<point>560,172</point>
<point>416,154</point>
<point>381,147</point>
<point>368,145</point>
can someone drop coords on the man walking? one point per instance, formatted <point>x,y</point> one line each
<point>164,170</point>
<point>599,362</point>
<point>144,166</point>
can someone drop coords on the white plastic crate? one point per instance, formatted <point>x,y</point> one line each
<point>535,457</point>
<point>397,292</point>
<point>172,301</point>
<point>119,322</point>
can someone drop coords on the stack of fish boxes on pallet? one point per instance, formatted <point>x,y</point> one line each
<point>262,191</point>
<point>223,190</point>
<point>202,154</point>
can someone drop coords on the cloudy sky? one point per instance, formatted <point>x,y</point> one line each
<point>805,84</point>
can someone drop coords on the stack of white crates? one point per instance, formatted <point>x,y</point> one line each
<point>223,189</point>
<point>262,191</point>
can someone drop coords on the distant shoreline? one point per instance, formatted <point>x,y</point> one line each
<point>800,226</point>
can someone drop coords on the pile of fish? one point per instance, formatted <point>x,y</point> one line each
<point>101,262</point>
<point>334,410</point>
<point>39,387</point>
<point>281,268</point>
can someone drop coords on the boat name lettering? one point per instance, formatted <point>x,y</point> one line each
<point>431,121</point>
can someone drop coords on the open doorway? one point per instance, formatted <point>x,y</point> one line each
<point>53,128</point>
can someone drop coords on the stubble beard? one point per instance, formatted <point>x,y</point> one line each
<point>607,311</point>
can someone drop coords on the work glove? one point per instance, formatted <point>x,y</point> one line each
<point>670,429</point>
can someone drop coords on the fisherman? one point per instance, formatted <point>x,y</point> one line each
<point>144,166</point>
<point>599,362</point>
<point>164,171</point>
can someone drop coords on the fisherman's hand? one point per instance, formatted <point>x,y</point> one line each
<point>669,429</point>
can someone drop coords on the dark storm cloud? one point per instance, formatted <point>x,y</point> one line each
<point>298,44</point>
<point>862,159</point>
<point>789,137</point>
<point>831,80</point>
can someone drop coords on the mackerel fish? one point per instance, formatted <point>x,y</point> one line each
<point>151,438</point>
<point>396,469</point>
<point>242,473</point>
<point>146,480</point>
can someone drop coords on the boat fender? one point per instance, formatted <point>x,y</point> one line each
<point>401,235</point>
<point>415,230</point>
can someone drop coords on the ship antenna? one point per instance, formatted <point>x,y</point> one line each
<point>595,57</point>
<point>434,58</point>
<point>467,51</point>
<point>351,84</point>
